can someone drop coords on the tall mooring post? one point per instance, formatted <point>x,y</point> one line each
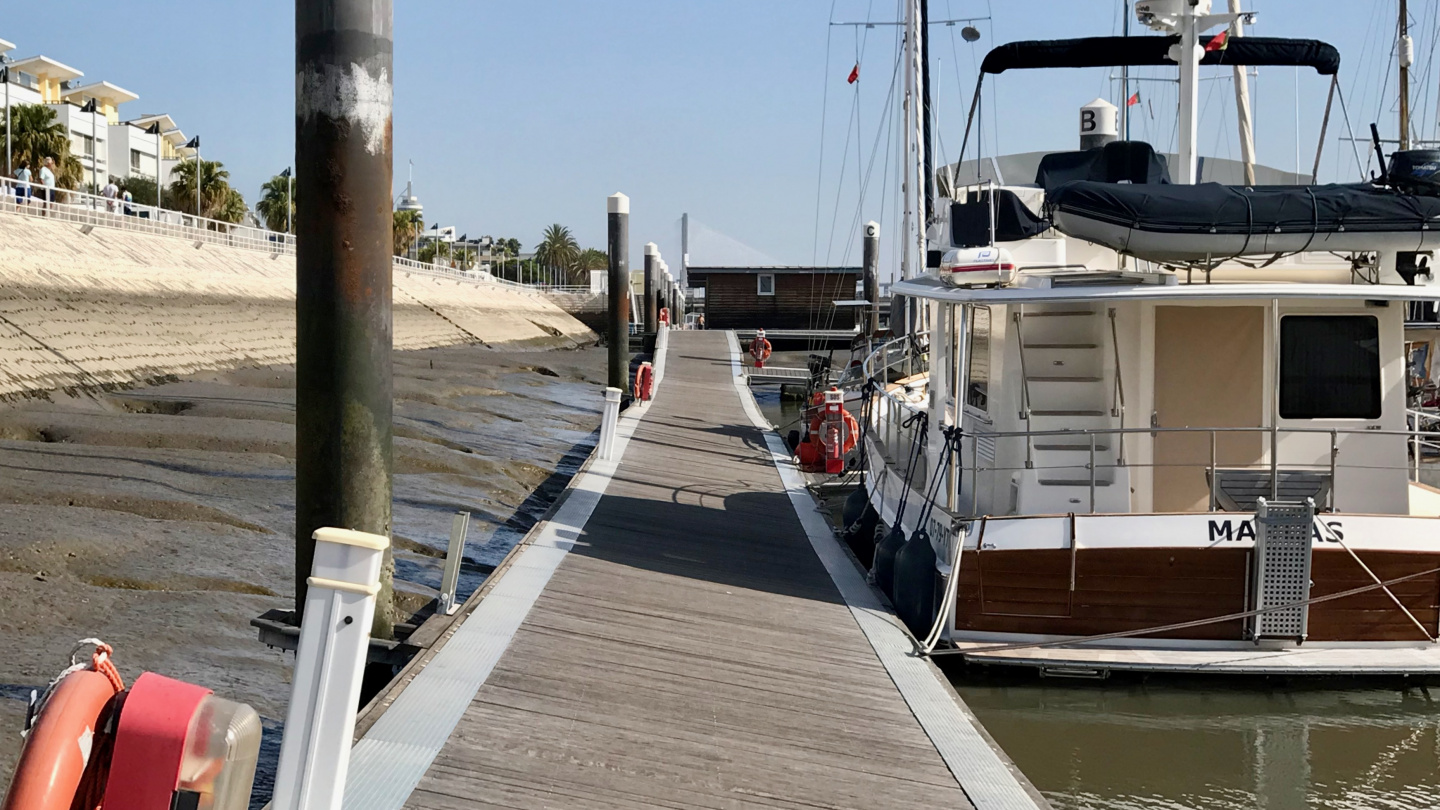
<point>870,252</point>
<point>343,399</point>
<point>618,208</point>
<point>652,269</point>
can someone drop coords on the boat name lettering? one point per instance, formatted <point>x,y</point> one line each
<point>1227,530</point>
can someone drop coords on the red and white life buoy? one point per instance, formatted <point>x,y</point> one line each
<point>52,771</point>
<point>760,348</point>
<point>665,315</point>
<point>831,433</point>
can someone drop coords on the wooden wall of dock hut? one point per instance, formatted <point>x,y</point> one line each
<point>801,300</point>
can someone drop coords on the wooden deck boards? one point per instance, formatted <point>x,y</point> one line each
<point>690,651</point>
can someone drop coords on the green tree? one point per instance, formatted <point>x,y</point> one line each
<point>38,135</point>
<point>217,199</point>
<point>275,206</point>
<point>557,248</point>
<point>407,225</point>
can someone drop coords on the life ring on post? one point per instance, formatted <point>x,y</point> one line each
<point>52,770</point>
<point>760,348</point>
<point>665,315</point>
<point>644,382</point>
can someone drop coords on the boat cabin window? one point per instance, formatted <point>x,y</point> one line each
<point>977,387</point>
<point>1329,367</point>
<point>765,284</point>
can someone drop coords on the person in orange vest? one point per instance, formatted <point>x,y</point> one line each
<point>760,348</point>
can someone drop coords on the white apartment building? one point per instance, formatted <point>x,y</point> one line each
<point>104,144</point>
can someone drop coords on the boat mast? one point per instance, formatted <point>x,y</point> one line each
<point>927,204</point>
<point>1406,51</point>
<point>1189,61</point>
<point>1242,101</point>
<point>1125,78</point>
<point>911,182</point>
<point>1187,18</point>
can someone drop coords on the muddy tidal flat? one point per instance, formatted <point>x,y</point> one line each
<point>161,518</point>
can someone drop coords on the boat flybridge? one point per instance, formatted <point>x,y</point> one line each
<point>1153,425</point>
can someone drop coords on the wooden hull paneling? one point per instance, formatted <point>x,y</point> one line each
<point>1114,590</point>
<point>1128,589</point>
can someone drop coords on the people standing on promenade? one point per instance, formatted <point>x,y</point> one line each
<point>110,192</point>
<point>47,179</point>
<point>129,198</point>
<point>700,321</point>
<point>22,185</point>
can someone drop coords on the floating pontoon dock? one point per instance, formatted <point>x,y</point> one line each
<point>684,631</point>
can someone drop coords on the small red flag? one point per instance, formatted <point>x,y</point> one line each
<point>854,74</point>
<point>1218,42</point>
<point>1135,99</point>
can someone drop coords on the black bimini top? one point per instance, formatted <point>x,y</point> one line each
<point>1155,50</point>
<point>1212,208</point>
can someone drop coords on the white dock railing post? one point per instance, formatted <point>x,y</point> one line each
<point>454,554</point>
<point>610,416</point>
<point>334,639</point>
<point>662,343</point>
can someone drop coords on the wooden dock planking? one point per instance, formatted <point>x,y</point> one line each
<point>691,650</point>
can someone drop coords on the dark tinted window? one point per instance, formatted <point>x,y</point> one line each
<point>1329,367</point>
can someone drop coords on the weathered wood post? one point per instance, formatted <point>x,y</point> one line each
<point>650,312</point>
<point>871,253</point>
<point>343,400</point>
<point>618,207</point>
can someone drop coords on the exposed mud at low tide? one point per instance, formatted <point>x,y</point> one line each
<point>161,519</point>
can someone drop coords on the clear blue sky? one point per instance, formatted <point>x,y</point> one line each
<point>520,114</point>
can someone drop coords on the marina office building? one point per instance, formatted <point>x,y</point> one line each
<point>104,144</point>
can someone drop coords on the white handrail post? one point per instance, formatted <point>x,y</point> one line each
<point>334,640</point>
<point>454,553</point>
<point>609,418</point>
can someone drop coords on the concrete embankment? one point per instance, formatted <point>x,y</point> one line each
<point>115,306</point>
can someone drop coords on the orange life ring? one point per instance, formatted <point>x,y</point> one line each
<point>644,382</point>
<point>760,349</point>
<point>57,749</point>
<point>817,420</point>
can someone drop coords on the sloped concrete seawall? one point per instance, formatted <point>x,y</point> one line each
<point>115,307</point>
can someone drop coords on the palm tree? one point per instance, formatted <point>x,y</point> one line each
<point>589,259</point>
<point>407,225</point>
<point>216,196</point>
<point>38,135</point>
<point>558,248</point>
<point>275,205</point>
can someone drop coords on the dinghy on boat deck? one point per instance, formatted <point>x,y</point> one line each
<point>1210,222</point>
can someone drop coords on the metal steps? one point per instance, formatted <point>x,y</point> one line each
<point>1072,482</point>
<point>1066,413</point>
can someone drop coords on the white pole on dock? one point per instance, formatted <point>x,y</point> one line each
<point>609,417</point>
<point>329,665</point>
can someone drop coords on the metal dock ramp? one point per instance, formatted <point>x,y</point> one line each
<point>683,632</point>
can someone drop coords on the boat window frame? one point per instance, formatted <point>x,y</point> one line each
<point>970,406</point>
<point>1379,376</point>
<point>760,279</point>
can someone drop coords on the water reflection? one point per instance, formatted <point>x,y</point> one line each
<point>1206,745</point>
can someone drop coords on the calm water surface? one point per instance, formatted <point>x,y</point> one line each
<point>1166,744</point>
